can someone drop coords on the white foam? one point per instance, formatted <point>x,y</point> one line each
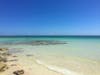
<point>57,69</point>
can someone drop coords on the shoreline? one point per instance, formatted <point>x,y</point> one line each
<point>56,69</point>
<point>22,58</point>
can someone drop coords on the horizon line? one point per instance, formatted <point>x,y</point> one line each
<point>42,35</point>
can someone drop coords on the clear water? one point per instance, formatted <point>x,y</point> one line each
<point>79,50</point>
<point>77,46</point>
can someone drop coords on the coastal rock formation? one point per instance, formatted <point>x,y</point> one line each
<point>36,42</point>
<point>47,42</point>
<point>3,49</point>
<point>3,59</point>
<point>4,53</point>
<point>18,72</point>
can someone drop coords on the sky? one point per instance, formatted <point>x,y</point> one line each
<point>49,17</point>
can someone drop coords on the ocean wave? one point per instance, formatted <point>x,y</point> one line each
<point>57,69</point>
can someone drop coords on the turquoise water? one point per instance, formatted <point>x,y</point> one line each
<point>81,54</point>
<point>88,47</point>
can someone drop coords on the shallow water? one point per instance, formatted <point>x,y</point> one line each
<point>80,54</point>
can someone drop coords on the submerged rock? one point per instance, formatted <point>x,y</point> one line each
<point>3,49</point>
<point>14,56</point>
<point>13,60</point>
<point>18,72</point>
<point>47,42</point>
<point>29,55</point>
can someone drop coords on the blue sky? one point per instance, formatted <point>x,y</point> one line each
<point>49,17</point>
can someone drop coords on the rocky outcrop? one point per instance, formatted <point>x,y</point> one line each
<point>35,42</point>
<point>18,72</point>
<point>4,53</point>
<point>3,59</point>
<point>3,49</point>
<point>47,42</point>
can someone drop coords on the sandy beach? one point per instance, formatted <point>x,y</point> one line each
<point>29,65</point>
<point>33,67</point>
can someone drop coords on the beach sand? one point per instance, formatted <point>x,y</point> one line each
<point>29,65</point>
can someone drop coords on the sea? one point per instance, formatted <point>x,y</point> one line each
<point>80,54</point>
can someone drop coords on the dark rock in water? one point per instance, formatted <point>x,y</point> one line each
<point>18,72</point>
<point>8,54</point>
<point>47,42</point>
<point>29,55</point>
<point>13,60</point>
<point>14,56</point>
<point>36,42</point>
<point>3,49</point>
<point>3,67</point>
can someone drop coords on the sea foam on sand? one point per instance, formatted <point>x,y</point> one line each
<point>57,69</point>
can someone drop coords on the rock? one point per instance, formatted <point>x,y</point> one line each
<point>8,54</point>
<point>47,42</point>
<point>18,72</point>
<point>29,55</point>
<point>3,67</point>
<point>3,49</point>
<point>14,56</point>
<point>13,60</point>
<point>3,59</point>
